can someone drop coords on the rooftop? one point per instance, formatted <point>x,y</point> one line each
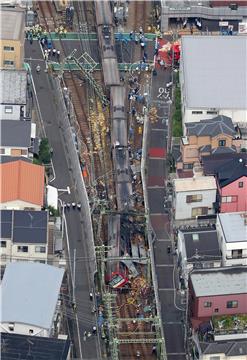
<point>15,133</point>
<point>18,177</point>
<point>234,226</point>
<point>207,62</point>
<point>16,347</point>
<point>24,226</point>
<point>201,244</point>
<point>229,348</point>
<point>212,163</point>
<point>13,86</point>
<point>219,281</point>
<point>195,184</point>
<point>211,127</point>
<point>26,295</point>
<point>231,170</point>
<point>12,24</point>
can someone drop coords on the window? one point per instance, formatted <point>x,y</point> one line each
<point>3,244</point>
<point>232,304</point>
<point>222,143</point>
<point>30,331</point>
<point>23,152</point>
<point>196,112</point>
<point>237,254</point>
<point>2,151</point>
<point>199,211</point>
<point>193,198</point>
<point>240,184</point>
<point>207,304</point>
<point>188,166</point>
<point>229,199</point>
<point>40,249</point>
<point>8,62</point>
<point>11,326</point>
<point>216,310</point>
<point>212,112</point>
<point>8,109</point>
<point>22,249</point>
<point>8,48</point>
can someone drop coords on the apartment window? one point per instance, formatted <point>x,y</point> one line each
<point>196,112</point>
<point>8,109</point>
<point>22,249</point>
<point>207,304</point>
<point>188,166</point>
<point>199,211</point>
<point>23,152</point>
<point>8,48</point>
<point>40,249</point>
<point>222,143</point>
<point>193,198</point>
<point>237,254</point>
<point>232,304</point>
<point>240,184</point>
<point>229,199</point>
<point>216,310</point>
<point>8,62</point>
<point>212,112</point>
<point>2,151</point>
<point>3,244</point>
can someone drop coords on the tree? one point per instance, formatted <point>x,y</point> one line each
<point>44,151</point>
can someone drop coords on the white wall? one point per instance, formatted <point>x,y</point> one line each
<point>19,205</point>
<point>222,357</point>
<point>23,329</point>
<point>183,210</point>
<point>7,150</point>
<point>15,115</point>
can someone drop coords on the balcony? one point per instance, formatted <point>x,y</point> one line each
<point>229,327</point>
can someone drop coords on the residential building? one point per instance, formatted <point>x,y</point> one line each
<point>198,248</point>
<point>207,137</point>
<point>193,197</point>
<point>179,10</point>
<point>15,347</point>
<point>15,97</point>
<point>230,171</point>
<point>12,38</point>
<point>232,234</point>
<point>22,185</point>
<point>207,90</point>
<point>23,236</point>
<point>30,299</point>
<point>226,350</point>
<point>216,292</point>
<point>15,138</point>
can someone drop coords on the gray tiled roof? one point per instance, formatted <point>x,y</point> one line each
<point>14,87</point>
<point>15,133</point>
<point>211,127</point>
<point>229,348</point>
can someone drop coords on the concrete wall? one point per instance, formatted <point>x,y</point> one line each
<point>19,205</point>
<point>14,151</point>
<point>15,115</point>
<point>17,56</point>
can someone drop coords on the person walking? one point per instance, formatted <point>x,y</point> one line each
<point>91,296</point>
<point>138,354</point>
<point>58,55</point>
<point>38,68</point>
<point>85,336</point>
<point>94,331</point>
<point>54,51</point>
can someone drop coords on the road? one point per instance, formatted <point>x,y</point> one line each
<point>76,227</point>
<point>164,263</point>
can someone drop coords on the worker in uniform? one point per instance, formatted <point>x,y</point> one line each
<point>38,68</point>
<point>94,330</point>
<point>54,52</point>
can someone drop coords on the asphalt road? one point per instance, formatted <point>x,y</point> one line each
<point>164,263</point>
<point>74,218</point>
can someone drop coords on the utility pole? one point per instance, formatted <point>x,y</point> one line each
<point>73,282</point>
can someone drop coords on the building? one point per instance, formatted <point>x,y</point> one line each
<point>226,350</point>
<point>30,299</point>
<point>211,10</point>
<point>198,248</point>
<point>217,292</point>
<point>229,170</point>
<point>232,234</point>
<point>207,88</point>
<point>193,197</point>
<point>15,346</point>
<point>23,236</point>
<point>15,102</point>
<point>22,186</point>
<point>15,138</point>
<point>12,38</point>
<point>207,137</point>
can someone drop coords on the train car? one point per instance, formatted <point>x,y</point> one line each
<point>119,136</point>
<point>103,13</point>
<point>107,41</point>
<point>111,73</point>
<point>118,94</point>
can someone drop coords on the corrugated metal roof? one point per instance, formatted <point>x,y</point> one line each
<point>214,70</point>
<point>13,87</point>
<point>12,23</point>
<point>29,293</point>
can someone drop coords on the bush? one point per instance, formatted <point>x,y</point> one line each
<point>44,152</point>
<point>177,115</point>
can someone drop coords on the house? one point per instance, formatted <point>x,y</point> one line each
<point>232,234</point>
<point>22,185</point>
<point>230,172</point>
<point>223,350</point>
<point>205,137</point>
<point>30,299</point>
<point>198,248</point>
<point>217,292</point>
<point>207,89</point>
<point>193,197</point>
<point>15,97</point>
<point>12,38</point>
<point>23,236</point>
<point>15,138</point>
<point>15,346</point>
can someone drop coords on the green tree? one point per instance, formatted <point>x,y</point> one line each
<point>44,152</point>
